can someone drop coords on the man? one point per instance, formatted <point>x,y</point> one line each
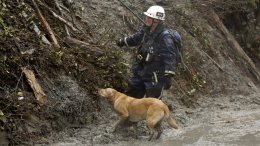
<point>155,66</point>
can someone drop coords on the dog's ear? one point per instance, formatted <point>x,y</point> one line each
<point>103,92</point>
<point>110,95</point>
<point>111,92</point>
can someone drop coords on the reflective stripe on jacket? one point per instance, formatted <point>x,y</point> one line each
<point>158,54</point>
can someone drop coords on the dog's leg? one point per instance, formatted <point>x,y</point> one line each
<point>159,129</point>
<point>119,122</point>
<point>152,130</point>
<point>151,136</point>
<point>115,125</point>
<point>154,119</point>
<point>135,130</point>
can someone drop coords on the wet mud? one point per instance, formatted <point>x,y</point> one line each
<point>208,126</point>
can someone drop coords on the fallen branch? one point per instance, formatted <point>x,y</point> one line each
<point>213,60</point>
<point>90,47</point>
<point>59,17</point>
<point>64,21</point>
<point>219,122</point>
<point>234,44</point>
<point>64,8</point>
<point>38,92</point>
<point>46,26</point>
<point>65,26</point>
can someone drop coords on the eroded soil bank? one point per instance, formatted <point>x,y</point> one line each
<point>215,100</point>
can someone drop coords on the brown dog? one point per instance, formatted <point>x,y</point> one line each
<point>134,110</point>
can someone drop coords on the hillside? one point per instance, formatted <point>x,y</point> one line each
<point>74,54</point>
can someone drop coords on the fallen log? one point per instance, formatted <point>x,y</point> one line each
<point>38,92</point>
<point>235,45</point>
<point>46,26</point>
<point>91,48</point>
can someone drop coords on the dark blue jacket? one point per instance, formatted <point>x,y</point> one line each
<point>157,52</point>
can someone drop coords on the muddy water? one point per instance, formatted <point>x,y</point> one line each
<point>223,121</point>
<point>237,128</point>
<point>224,128</point>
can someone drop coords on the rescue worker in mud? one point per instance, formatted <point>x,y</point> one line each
<point>156,60</point>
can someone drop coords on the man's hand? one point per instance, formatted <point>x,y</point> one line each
<point>120,43</point>
<point>168,81</point>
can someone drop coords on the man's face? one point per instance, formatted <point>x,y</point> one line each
<point>148,21</point>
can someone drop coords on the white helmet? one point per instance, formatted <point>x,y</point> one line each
<point>156,12</point>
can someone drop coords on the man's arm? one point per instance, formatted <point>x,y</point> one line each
<point>132,40</point>
<point>168,54</point>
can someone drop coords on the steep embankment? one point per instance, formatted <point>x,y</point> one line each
<point>216,95</point>
<point>211,91</point>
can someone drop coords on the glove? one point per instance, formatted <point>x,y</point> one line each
<point>120,43</point>
<point>168,81</point>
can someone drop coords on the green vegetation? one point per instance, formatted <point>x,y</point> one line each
<point>2,116</point>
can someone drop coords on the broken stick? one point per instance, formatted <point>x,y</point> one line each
<point>59,17</point>
<point>65,27</point>
<point>89,47</point>
<point>46,26</point>
<point>38,92</point>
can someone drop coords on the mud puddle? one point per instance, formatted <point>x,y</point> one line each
<point>221,128</point>
<point>236,128</point>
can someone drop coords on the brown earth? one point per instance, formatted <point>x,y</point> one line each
<point>215,98</point>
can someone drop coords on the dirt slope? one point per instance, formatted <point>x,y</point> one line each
<point>214,95</point>
<point>220,112</point>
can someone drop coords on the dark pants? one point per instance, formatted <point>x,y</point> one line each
<point>138,87</point>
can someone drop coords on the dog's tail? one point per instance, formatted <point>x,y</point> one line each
<point>169,119</point>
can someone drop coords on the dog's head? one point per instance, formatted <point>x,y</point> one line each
<point>108,93</point>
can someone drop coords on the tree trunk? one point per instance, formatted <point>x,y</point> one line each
<point>235,45</point>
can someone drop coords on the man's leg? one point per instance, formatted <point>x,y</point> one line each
<point>135,88</point>
<point>153,92</point>
<point>153,89</point>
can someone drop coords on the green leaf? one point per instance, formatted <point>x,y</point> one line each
<point>2,116</point>
<point>1,113</point>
